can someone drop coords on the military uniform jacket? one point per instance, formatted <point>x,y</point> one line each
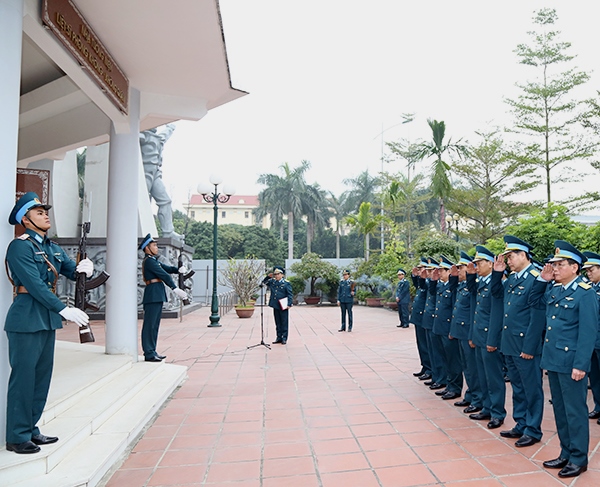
<point>403,292</point>
<point>416,316</point>
<point>152,268</point>
<point>345,290</point>
<point>481,309</point>
<point>596,288</point>
<point>460,326</point>
<point>444,303</point>
<point>522,327</point>
<point>429,311</point>
<point>37,309</point>
<point>571,324</point>
<point>279,289</point>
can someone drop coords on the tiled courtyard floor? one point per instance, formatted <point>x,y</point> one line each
<point>328,409</point>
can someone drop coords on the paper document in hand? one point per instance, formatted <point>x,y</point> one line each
<point>283,302</point>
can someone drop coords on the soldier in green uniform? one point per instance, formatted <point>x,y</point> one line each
<point>280,300</point>
<point>155,275</point>
<point>33,264</point>
<point>592,270</point>
<point>571,309</point>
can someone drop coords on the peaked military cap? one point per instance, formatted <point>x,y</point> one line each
<point>445,262</point>
<point>25,203</point>
<point>515,243</point>
<point>346,271</point>
<point>401,271</point>
<point>591,259</point>
<point>538,265</point>
<point>464,258</point>
<point>422,262</point>
<point>146,241</point>
<point>564,250</point>
<point>432,263</point>
<point>483,254</point>
<point>278,270</point>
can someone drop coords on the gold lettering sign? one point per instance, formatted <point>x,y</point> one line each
<point>67,23</point>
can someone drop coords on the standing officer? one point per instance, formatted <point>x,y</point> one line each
<point>438,369</point>
<point>592,269</point>
<point>280,290</point>
<point>416,318</point>
<point>489,361</point>
<point>345,299</point>
<point>155,274</point>
<point>521,342</point>
<point>33,264</point>
<point>460,329</point>
<point>571,329</point>
<point>402,298</point>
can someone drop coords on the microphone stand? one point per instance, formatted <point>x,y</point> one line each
<point>262,328</point>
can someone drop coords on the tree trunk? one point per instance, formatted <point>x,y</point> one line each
<point>290,235</point>
<point>367,245</point>
<point>442,216</point>
<point>337,241</point>
<point>309,234</point>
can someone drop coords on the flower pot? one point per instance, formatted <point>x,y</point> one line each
<point>312,299</point>
<point>244,312</point>
<point>374,302</point>
<point>391,305</point>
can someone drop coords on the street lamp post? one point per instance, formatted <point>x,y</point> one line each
<point>213,196</point>
<point>452,218</point>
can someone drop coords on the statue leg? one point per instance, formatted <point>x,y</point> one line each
<point>165,211</point>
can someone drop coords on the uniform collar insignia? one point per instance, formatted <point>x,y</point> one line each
<point>38,237</point>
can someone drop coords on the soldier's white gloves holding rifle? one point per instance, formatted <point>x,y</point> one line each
<point>182,270</point>
<point>180,293</point>
<point>75,315</point>
<point>86,266</point>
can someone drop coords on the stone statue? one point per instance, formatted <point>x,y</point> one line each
<point>151,143</point>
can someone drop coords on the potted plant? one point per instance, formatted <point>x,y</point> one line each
<point>244,277</point>
<point>311,267</point>
<point>298,285</point>
<point>362,295</point>
<point>376,286</point>
<point>389,301</point>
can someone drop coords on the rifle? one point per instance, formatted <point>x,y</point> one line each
<point>82,285</point>
<point>183,277</point>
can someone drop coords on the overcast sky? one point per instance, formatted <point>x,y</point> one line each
<point>325,76</point>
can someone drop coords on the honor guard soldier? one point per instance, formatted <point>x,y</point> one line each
<point>155,275</point>
<point>460,329</point>
<point>571,307</point>
<point>345,299</point>
<point>489,361</point>
<point>438,369</point>
<point>592,270</point>
<point>402,298</point>
<point>416,318</point>
<point>280,301</point>
<point>521,342</point>
<point>33,263</point>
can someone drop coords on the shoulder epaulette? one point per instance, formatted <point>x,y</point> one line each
<point>534,272</point>
<point>585,286</point>
<point>25,236</point>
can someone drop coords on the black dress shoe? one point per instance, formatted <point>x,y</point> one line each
<point>471,409</point>
<point>428,382</point>
<point>283,342</point>
<point>480,416</point>
<point>277,341</point>
<point>152,359</point>
<point>404,326</point>
<point>526,440</point>
<point>512,433</point>
<point>462,404</point>
<point>556,463</point>
<point>162,357</point>
<point>342,329</point>
<point>436,386</point>
<point>450,395</point>
<point>495,423</point>
<point>43,439</point>
<point>417,374</point>
<point>25,447</point>
<point>594,414</point>
<point>572,470</point>
<point>425,376</point>
<point>441,392</point>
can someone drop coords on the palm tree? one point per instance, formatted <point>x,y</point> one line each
<point>287,192</point>
<point>270,203</point>
<point>316,209</point>
<point>436,148</point>
<point>365,222</point>
<point>338,206</point>
<point>363,189</point>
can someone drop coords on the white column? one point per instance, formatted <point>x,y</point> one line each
<point>121,235</point>
<point>11,31</point>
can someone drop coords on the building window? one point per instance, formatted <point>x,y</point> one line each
<point>192,214</point>
<point>246,214</point>
<point>223,214</point>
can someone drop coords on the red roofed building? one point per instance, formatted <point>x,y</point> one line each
<point>239,210</point>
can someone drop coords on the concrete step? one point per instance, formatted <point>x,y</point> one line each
<point>96,423</point>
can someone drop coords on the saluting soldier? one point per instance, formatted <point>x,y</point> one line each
<point>416,318</point>
<point>402,298</point>
<point>592,269</point>
<point>438,370</point>
<point>345,299</point>
<point>489,361</point>
<point>280,301</point>
<point>571,329</point>
<point>155,275</point>
<point>33,263</point>
<point>460,328</point>
<point>521,342</point>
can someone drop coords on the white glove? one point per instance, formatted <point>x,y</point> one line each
<point>86,266</point>
<point>75,315</point>
<point>182,270</point>
<point>180,293</point>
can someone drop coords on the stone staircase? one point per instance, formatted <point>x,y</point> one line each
<point>98,405</point>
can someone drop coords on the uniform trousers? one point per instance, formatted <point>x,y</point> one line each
<point>403,314</point>
<point>453,365</point>
<point>152,315</point>
<point>469,366</point>
<point>346,309</point>
<point>571,416</point>
<point>438,371</point>
<point>281,323</point>
<point>595,379</point>
<point>527,394</point>
<point>31,357</point>
<point>421,337</point>
<point>495,386</point>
